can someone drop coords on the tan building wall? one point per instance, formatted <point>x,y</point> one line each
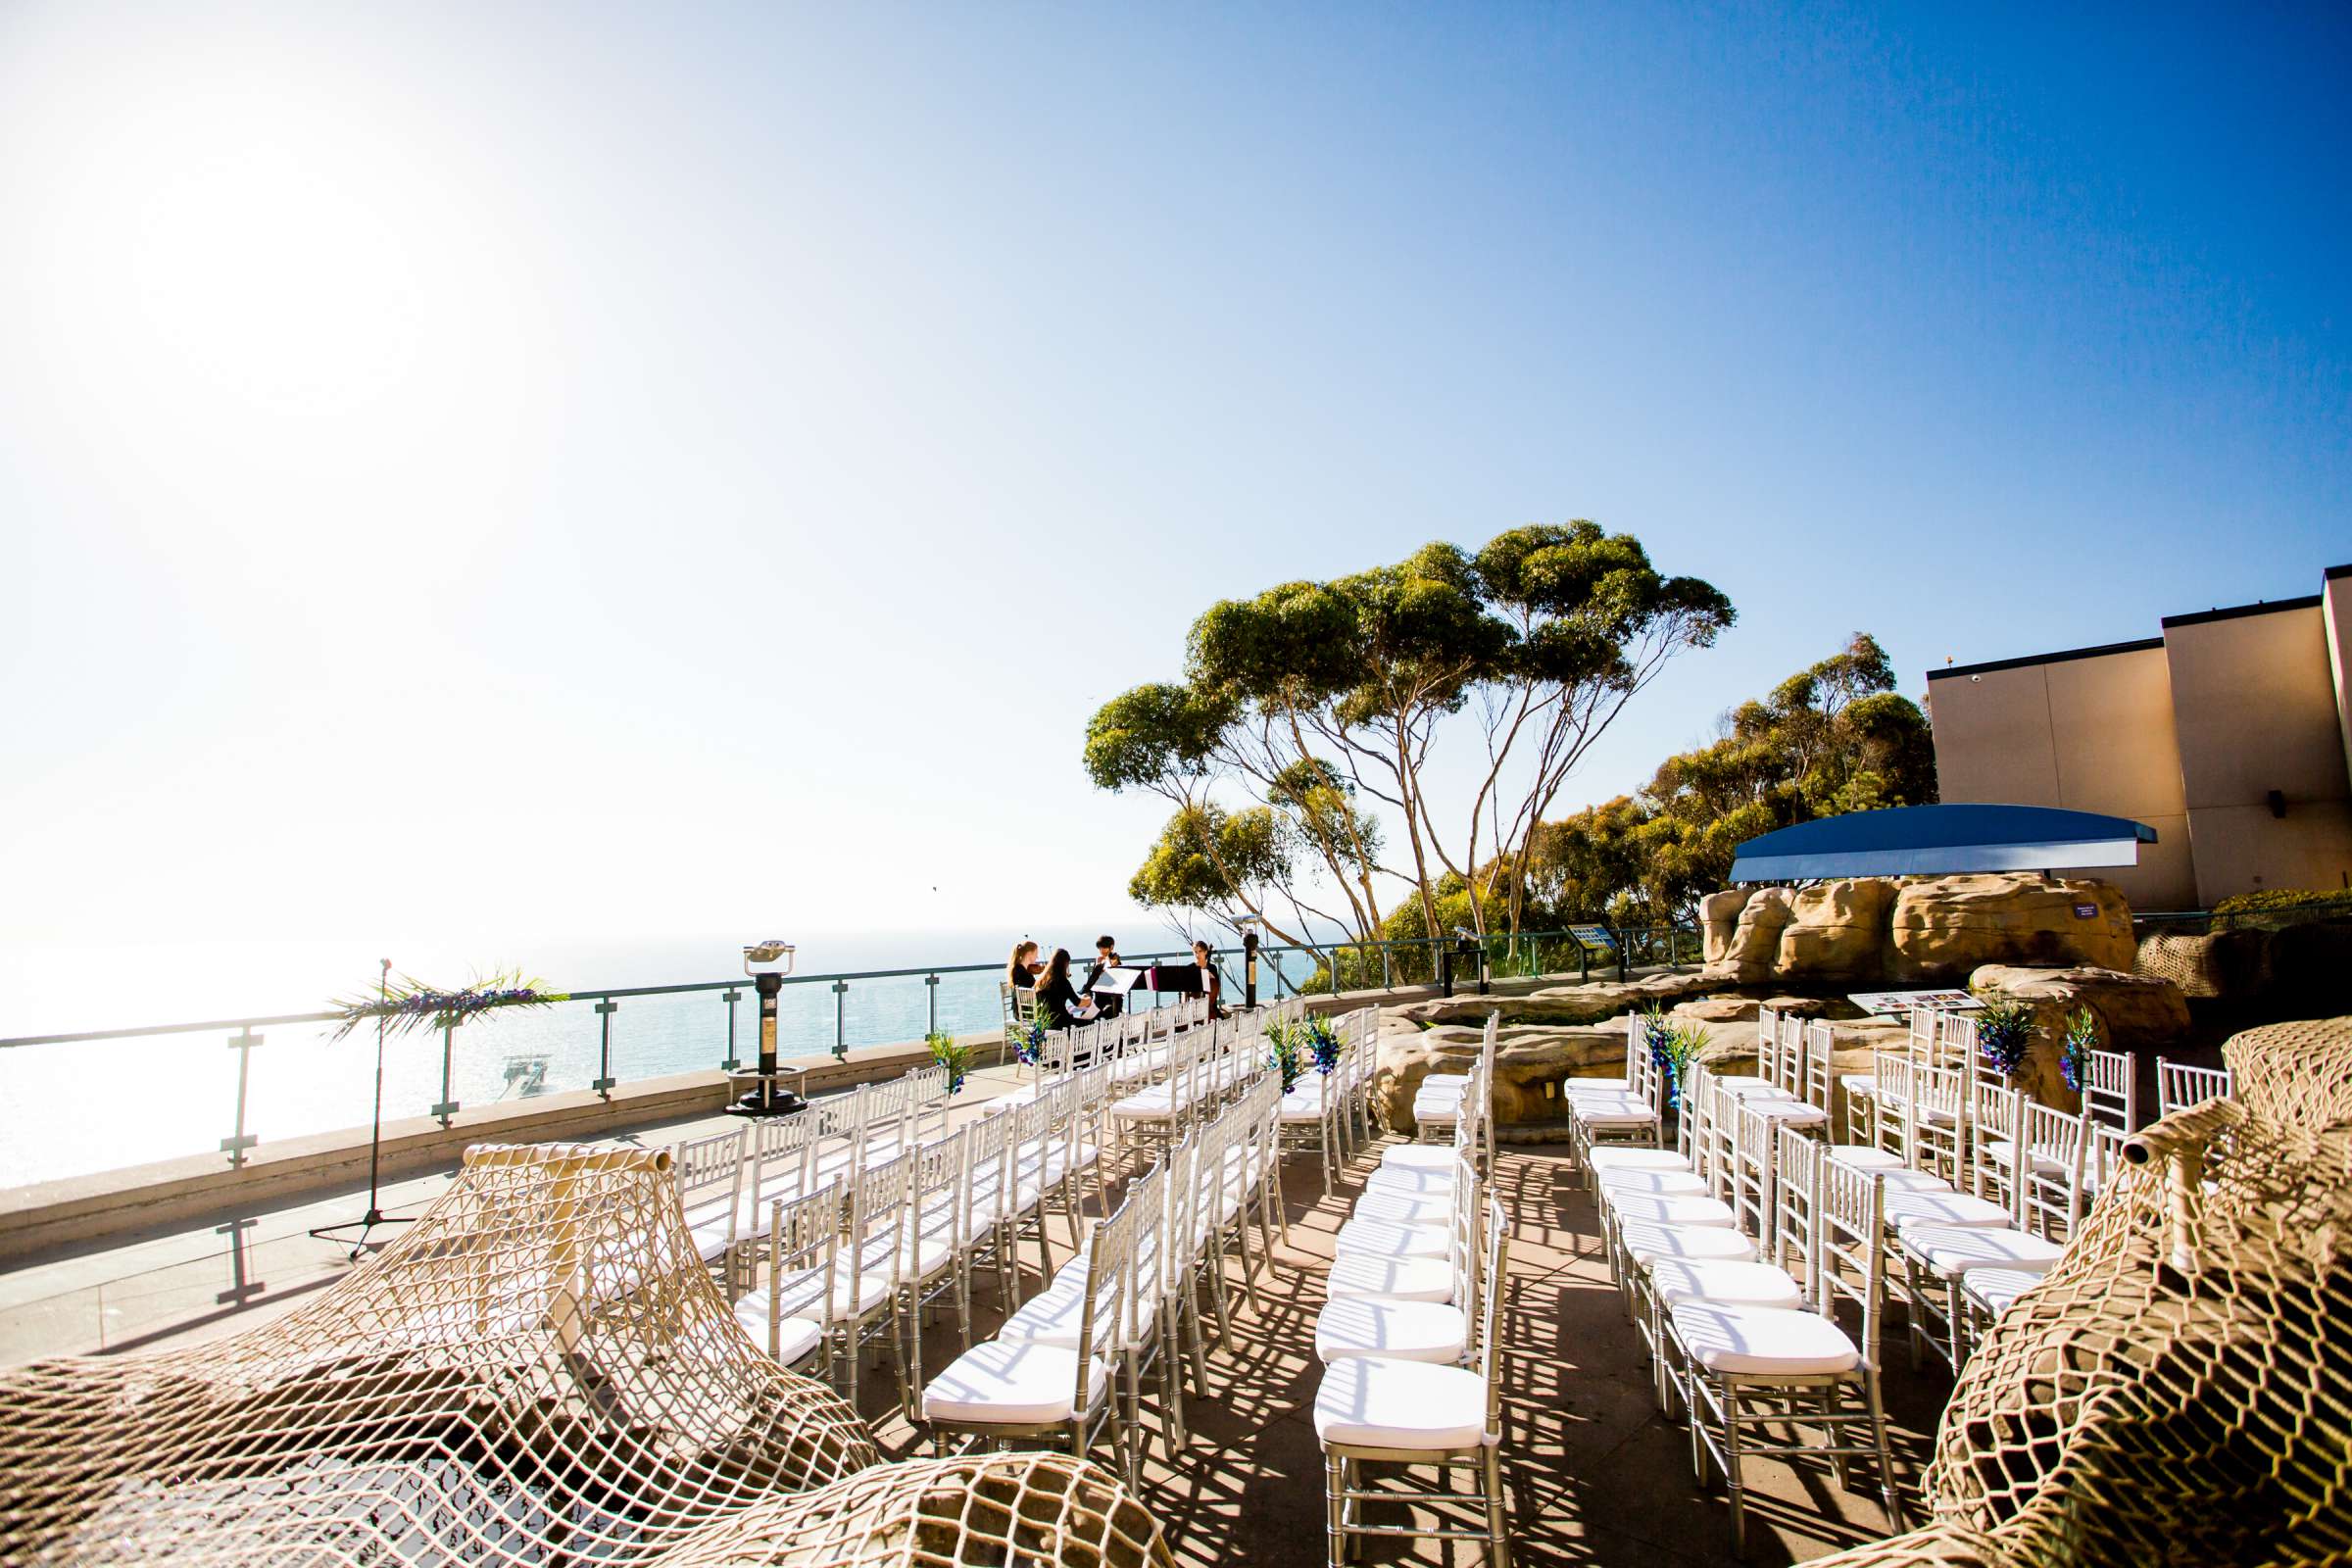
<point>2254,706</point>
<point>2089,731</point>
<point>2188,733</point>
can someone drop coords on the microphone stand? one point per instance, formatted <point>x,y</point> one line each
<point>375,1217</point>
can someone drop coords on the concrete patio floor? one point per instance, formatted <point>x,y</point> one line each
<point>1593,1475</point>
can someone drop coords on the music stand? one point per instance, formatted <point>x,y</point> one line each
<point>375,1217</point>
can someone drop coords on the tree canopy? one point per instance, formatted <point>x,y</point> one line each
<point>1322,702</point>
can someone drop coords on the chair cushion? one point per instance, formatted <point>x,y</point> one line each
<point>1606,1160</point>
<point>1667,1209</point>
<point>1646,1243</point>
<point>2003,1151</point>
<point>1410,1331</point>
<point>1633,1113</point>
<point>796,1337</point>
<point>1378,1401</point>
<point>1377,1238</point>
<point>1950,1250</point>
<point>1013,1382</point>
<point>1793,1112</point>
<point>1656,1180</point>
<point>1418,1157</point>
<point>1361,1275</point>
<point>1762,1339</point>
<point>1909,1209</point>
<point>1674,1280</point>
<point>1416,1183</point>
<point>1404,1209</point>
<point>1996,1290</point>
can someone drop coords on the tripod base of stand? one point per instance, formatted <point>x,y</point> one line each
<point>374,1219</point>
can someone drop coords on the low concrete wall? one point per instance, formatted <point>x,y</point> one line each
<point>47,1218</point>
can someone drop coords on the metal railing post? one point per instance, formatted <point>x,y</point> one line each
<point>1335,968</point>
<point>931,984</point>
<point>235,1145</point>
<point>840,1004</point>
<point>242,1286</point>
<point>732,995</point>
<point>1388,971</point>
<point>448,1107</point>
<point>604,1080</point>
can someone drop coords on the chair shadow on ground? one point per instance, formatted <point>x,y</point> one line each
<point>1592,1473</point>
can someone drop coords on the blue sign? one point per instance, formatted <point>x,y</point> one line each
<point>1594,936</point>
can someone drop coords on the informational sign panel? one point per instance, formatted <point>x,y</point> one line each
<point>1594,936</point>
<point>1913,1000</point>
<point>2087,911</point>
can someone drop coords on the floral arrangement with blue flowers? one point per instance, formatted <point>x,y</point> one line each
<point>2004,1029</point>
<point>409,1005</point>
<point>2074,1051</point>
<point>1323,1045</point>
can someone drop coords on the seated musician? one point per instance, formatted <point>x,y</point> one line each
<point>1106,958</point>
<point>1057,1000</point>
<point>1212,984</point>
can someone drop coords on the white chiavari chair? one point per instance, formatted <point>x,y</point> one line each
<point>1391,1410</point>
<point>785,1310</point>
<point>1008,1387</point>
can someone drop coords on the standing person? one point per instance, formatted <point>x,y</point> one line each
<point>1058,1002</point>
<point>1211,982</point>
<point>1106,958</point>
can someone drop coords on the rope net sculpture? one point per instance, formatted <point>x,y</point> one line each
<point>2176,1390</point>
<point>540,1371</point>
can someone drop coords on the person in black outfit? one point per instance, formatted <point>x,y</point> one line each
<point>1106,958</point>
<point>1211,982</point>
<point>1058,1002</point>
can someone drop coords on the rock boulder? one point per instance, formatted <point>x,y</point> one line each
<point>1718,918</point>
<point>1753,951</point>
<point>1838,932</point>
<point>1944,928</point>
<point>1526,1060</point>
<point>2134,1012</point>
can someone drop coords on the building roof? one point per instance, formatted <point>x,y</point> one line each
<point>1942,840</point>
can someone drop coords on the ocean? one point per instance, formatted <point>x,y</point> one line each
<point>70,1109</point>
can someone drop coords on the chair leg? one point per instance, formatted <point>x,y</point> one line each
<point>1878,1438</point>
<point>1499,1536</point>
<point>1334,1509</point>
<point>1732,1467</point>
<point>1171,1379</point>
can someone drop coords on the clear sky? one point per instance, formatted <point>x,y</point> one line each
<point>534,473</point>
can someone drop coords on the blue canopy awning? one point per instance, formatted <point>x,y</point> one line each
<point>1939,841</point>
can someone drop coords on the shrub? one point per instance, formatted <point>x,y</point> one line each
<point>2292,903</point>
<point>2004,1029</point>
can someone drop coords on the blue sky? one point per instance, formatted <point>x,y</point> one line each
<point>531,474</point>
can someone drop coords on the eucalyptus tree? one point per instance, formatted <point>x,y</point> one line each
<point>1316,695</point>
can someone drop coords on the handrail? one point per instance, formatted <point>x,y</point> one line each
<point>608,994</point>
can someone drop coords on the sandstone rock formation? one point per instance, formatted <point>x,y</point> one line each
<point>1858,933</point>
<point>1945,927</point>
<point>1526,1060</point>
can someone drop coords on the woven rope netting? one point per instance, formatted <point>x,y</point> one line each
<point>2179,1389</point>
<point>540,1371</point>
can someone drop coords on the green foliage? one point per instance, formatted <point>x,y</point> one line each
<point>1213,859</point>
<point>2305,903</point>
<point>409,1005</point>
<point>1831,739</point>
<point>2004,1029</point>
<point>1309,689</point>
<point>952,1054</point>
<point>1674,1047</point>
<point>2074,1051</point>
<point>1287,1050</point>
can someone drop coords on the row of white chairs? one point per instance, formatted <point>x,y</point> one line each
<point>1409,1336</point>
<point>1733,1251</point>
<point>1070,1365</point>
<point>856,1262</point>
<point>1330,1111</point>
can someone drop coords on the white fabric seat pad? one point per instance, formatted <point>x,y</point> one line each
<point>1949,1250</point>
<point>1764,1341</point>
<point>1668,1208</point>
<point>1906,1209</point>
<point>1644,1242</point>
<point>1013,1382</point>
<point>1378,1401</point>
<point>1661,1179</point>
<point>1410,1331</point>
<point>1385,1239</point>
<point>1996,1290</point>
<point>1401,1279</point>
<point>1404,1209</point>
<point>1418,1157</point>
<point>796,1337</point>
<point>1734,1281</point>
<point>1418,1183</point>
<point>1603,1160</point>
